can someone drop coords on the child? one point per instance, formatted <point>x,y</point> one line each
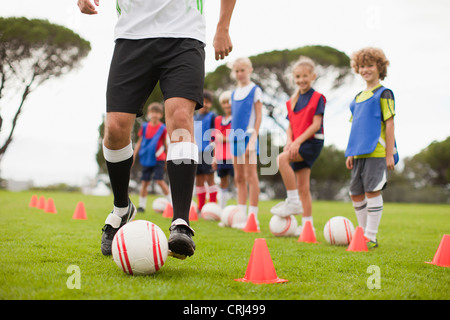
<point>371,146</point>
<point>304,142</point>
<point>246,108</point>
<point>223,161</point>
<point>151,147</point>
<point>203,125</point>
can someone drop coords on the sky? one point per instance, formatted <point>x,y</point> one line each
<point>57,136</point>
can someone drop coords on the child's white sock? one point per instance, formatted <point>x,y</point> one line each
<point>361,212</point>
<point>310,218</point>
<point>243,208</point>
<point>292,196</point>
<point>223,197</point>
<point>142,202</point>
<point>254,210</point>
<point>374,212</point>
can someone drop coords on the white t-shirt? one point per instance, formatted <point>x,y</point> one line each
<point>141,19</point>
<point>242,92</point>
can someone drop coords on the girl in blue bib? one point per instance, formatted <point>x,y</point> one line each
<point>246,110</point>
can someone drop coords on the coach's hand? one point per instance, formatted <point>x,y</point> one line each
<point>87,7</point>
<point>222,44</point>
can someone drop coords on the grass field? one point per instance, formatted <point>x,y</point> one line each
<point>37,250</point>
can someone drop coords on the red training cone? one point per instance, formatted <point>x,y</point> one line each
<point>307,234</point>
<point>359,241</point>
<point>41,203</point>
<point>80,212</point>
<point>50,206</point>
<point>442,255</point>
<point>260,267</point>
<point>168,211</point>
<point>33,201</point>
<point>193,216</point>
<point>251,225</point>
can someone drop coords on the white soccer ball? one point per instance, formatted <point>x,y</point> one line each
<point>159,204</point>
<point>283,227</point>
<point>211,211</point>
<point>232,215</point>
<point>140,247</point>
<point>339,231</point>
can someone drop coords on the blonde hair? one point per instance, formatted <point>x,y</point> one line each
<point>301,62</point>
<point>245,61</point>
<point>373,55</point>
<point>225,96</point>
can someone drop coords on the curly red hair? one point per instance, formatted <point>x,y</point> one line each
<point>373,55</point>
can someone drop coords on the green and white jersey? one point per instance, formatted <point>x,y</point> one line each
<point>141,19</point>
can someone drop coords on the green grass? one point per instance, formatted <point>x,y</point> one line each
<point>36,248</point>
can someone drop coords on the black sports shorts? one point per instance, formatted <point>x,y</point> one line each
<point>137,66</point>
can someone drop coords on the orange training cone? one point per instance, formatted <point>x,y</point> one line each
<point>260,267</point>
<point>33,201</point>
<point>251,225</point>
<point>80,212</point>
<point>41,203</point>
<point>442,255</point>
<point>168,211</point>
<point>307,234</point>
<point>50,206</point>
<point>193,216</point>
<point>358,242</point>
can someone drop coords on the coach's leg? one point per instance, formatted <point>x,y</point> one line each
<point>182,159</point>
<point>118,153</point>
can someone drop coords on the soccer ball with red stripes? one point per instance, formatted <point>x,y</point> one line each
<point>339,231</point>
<point>283,226</point>
<point>140,247</point>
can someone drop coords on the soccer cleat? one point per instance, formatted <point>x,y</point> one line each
<point>285,209</point>
<point>112,224</point>
<point>180,241</point>
<point>372,244</point>
<point>140,210</point>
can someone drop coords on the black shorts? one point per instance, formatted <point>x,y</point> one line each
<point>157,171</point>
<point>137,66</point>
<point>310,151</point>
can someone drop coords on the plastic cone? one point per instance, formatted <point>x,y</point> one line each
<point>168,211</point>
<point>41,203</point>
<point>80,212</point>
<point>251,225</point>
<point>260,267</point>
<point>50,206</point>
<point>193,216</point>
<point>33,201</point>
<point>442,255</point>
<point>307,234</point>
<point>358,242</point>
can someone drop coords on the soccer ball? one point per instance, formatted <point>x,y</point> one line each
<point>140,247</point>
<point>211,211</point>
<point>159,204</point>
<point>338,230</point>
<point>283,227</point>
<point>232,215</point>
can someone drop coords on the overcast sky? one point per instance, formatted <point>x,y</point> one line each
<point>57,136</point>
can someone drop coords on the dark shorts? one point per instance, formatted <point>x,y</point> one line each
<point>204,163</point>
<point>137,65</point>
<point>310,151</point>
<point>225,169</point>
<point>368,175</point>
<point>157,171</point>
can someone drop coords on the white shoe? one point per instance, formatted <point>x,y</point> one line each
<point>285,209</point>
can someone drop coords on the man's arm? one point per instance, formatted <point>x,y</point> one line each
<point>222,41</point>
<point>87,7</point>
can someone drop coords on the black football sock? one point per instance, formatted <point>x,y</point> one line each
<point>119,175</point>
<point>119,164</point>
<point>182,158</point>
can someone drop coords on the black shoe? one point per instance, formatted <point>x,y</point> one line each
<point>140,210</point>
<point>181,244</point>
<point>112,224</point>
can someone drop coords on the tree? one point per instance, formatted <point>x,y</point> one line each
<point>431,166</point>
<point>31,52</point>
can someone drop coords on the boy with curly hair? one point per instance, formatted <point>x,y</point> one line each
<point>371,147</point>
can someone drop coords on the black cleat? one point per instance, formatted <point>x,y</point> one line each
<point>112,224</point>
<point>180,241</point>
